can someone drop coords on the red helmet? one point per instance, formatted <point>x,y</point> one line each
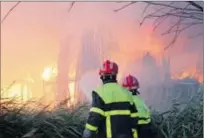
<point>130,82</point>
<point>108,68</point>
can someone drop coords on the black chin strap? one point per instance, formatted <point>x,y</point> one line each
<point>108,79</point>
<point>135,92</point>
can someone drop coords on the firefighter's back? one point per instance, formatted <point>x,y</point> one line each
<point>117,111</point>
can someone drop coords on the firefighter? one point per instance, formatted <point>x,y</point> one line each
<point>144,120</point>
<point>112,113</point>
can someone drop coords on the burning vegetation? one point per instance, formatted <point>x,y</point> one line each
<point>20,121</point>
<point>173,90</point>
<point>149,68</point>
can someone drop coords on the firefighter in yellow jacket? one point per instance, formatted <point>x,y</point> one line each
<point>113,114</point>
<point>144,120</point>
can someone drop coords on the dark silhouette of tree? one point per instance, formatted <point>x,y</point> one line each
<point>150,69</point>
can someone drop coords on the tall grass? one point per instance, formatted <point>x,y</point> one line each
<point>22,122</point>
<point>181,121</point>
<point>19,122</point>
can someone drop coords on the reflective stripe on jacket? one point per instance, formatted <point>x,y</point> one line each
<point>143,110</point>
<point>113,113</point>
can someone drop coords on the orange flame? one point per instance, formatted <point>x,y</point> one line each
<point>193,73</point>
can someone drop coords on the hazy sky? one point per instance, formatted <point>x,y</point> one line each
<point>31,37</point>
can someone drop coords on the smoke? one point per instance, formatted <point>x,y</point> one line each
<point>81,39</point>
<point>89,82</point>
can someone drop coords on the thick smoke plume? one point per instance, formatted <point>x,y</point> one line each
<point>78,41</point>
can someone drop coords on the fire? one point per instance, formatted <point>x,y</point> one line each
<point>72,91</point>
<point>15,91</point>
<point>48,73</point>
<point>189,74</point>
<point>19,92</point>
<point>72,85</point>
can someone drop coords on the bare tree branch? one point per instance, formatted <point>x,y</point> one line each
<point>71,6</point>
<point>178,25</point>
<point>159,21</point>
<point>176,34</point>
<point>9,12</point>
<point>184,15</point>
<point>180,30</point>
<point>162,18</point>
<point>125,6</point>
<point>152,15</point>
<point>169,6</point>
<point>169,30</point>
<point>145,9</point>
<point>175,15</point>
<point>196,5</point>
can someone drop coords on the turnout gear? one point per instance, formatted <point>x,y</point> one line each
<point>112,113</point>
<point>144,129</point>
<point>144,120</point>
<point>143,110</point>
<point>108,68</point>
